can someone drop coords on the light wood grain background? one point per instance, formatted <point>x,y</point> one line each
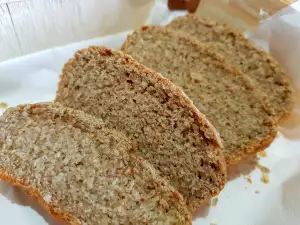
<point>27,26</point>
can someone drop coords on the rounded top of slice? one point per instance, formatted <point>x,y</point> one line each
<point>82,171</point>
<point>164,125</point>
<point>225,95</point>
<point>263,69</point>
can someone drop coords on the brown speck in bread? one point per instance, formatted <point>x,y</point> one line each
<point>81,171</point>
<point>167,128</point>
<point>264,70</point>
<point>226,96</point>
<point>3,105</point>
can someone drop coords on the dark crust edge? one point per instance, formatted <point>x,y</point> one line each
<point>255,147</point>
<point>35,193</point>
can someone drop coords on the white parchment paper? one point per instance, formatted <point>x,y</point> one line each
<point>248,199</point>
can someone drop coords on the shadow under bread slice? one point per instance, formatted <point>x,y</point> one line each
<point>166,127</point>
<point>81,171</point>
<point>264,70</point>
<point>226,96</point>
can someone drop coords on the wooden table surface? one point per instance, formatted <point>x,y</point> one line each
<point>28,26</point>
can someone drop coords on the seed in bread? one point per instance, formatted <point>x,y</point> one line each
<point>266,73</point>
<point>166,128</point>
<point>221,92</point>
<point>81,171</point>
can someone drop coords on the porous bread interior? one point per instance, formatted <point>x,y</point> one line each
<point>265,72</point>
<point>226,96</point>
<point>82,169</point>
<point>167,130</point>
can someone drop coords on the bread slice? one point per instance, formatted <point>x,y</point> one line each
<point>167,129</point>
<point>266,73</point>
<point>221,92</point>
<point>81,171</point>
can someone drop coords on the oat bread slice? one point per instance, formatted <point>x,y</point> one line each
<point>221,92</point>
<point>264,70</point>
<point>166,128</point>
<point>81,171</point>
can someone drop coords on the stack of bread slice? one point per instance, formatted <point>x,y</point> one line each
<point>165,127</point>
<point>129,129</point>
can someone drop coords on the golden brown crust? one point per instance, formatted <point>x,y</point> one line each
<point>34,193</point>
<point>255,148</point>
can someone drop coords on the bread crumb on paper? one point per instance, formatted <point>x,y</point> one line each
<point>263,168</point>
<point>263,14</point>
<point>249,180</point>
<point>256,192</point>
<point>3,105</point>
<point>263,154</point>
<point>213,224</point>
<point>265,173</point>
<point>214,202</point>
<point>265,178</point>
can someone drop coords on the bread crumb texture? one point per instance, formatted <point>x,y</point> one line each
<point>226,96</point>
<point>166,128</point>
<point>82,171</point>
<point>263,69</point>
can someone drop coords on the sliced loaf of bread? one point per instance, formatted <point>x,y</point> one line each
<point>266,73</point>
<point>165,126</point>
<point>221,92</point>
<point>81,171</point>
